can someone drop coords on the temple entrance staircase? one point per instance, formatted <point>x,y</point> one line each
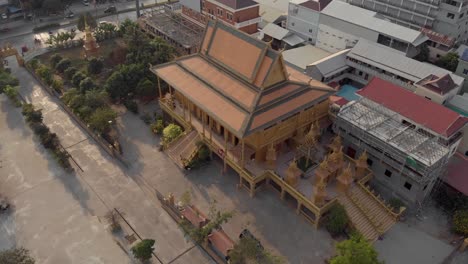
<point>184,149</point>
<point>366,212</point>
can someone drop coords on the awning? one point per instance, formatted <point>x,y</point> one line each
<point>293,40</point>
<point>275,31</point>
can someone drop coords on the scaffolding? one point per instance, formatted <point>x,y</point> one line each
<point>169,24</point>
<point>411,150</point>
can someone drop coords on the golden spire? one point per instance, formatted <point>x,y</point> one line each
<point>347,173</point>
<point>324,165</point>
<point>363,157</point>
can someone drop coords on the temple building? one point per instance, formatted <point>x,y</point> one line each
<point>267,122</point>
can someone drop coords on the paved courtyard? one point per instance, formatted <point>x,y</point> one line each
<point>52,215</point>
<point>104,178</point>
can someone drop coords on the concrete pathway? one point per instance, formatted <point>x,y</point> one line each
<point>103,176</point>
<point>52,209</point>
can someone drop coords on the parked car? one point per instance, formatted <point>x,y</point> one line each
<point>70,15</point>
<point>110,9</point>
<point>85,2</point>
<point>4,16</point>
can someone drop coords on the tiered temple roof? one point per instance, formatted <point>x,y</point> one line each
<point>240,81</point>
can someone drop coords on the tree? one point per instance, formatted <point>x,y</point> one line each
<point>55,59</point>
<point>95,99</point>
<point>124,80</point>
<point>90,21</point>
<point>449,61</point>
<point>31,115</point>
<point>63,65</point>
<point>16,256</point>
<point>337,220</point>
<point>423,53</point>
<point>460,222</point>
<point>68,73</point>
<point>12,93</point>
<point>87,84</point>
<point>356,250</point>
<point>45,74</point>
<point>126,25</point>
<point>248,250</point>
<point>95,65</point>
<point>171,132</point>
<point>143,249</point>
<point>6,79</point>
<point>164,52</point>
<point>77,78</point>
<point>102,119</point>
<point>146,88</point>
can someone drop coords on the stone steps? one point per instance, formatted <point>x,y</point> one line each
<point>358,218</point>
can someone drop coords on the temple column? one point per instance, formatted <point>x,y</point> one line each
<point>252,190</point>
<point>211,129</point>
<point>242,154</point>
<point>298,209</point>
<point>159,88</point>
<point>225,150</point>
<point>203,123</point>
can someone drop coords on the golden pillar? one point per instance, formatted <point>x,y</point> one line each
<point>292,174</point>
<point>336,144</point>
<point>271,157</point>
<point>361,166</point>
<point>322,172</point>
<point>345,179</point>
<point>319,193</point>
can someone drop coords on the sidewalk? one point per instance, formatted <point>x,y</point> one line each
<point>106,179</point>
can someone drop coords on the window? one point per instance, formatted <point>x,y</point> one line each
<point>451,15</point>
<point>428,98</point>
<point>203,4</point>
<point>369,162</point>
<point>408,185</point>
<point>388,173</point>
<point>310,30</point>
<point>229,16</point>
<point>425,187</point>
<point>465,71</point>
<point>310,39</point>
<point>293,24</point>
<point>466,153</point>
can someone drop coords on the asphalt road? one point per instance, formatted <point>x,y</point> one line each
<point>23,27</point>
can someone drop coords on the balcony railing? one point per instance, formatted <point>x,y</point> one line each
<point>381,75</point>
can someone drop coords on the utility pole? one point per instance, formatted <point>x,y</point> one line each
<point>137,2</point>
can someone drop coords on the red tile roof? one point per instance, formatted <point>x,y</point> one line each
<point>418,109</point>
<point>438,38</point>
<point>194,216</point>
<point>317,5</point>
<point>220,241</point>
<point>457,175</point>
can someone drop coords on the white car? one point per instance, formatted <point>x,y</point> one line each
<point>4,16</point>
<point>85,2</point>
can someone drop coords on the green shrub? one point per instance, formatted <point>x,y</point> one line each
<point>460,222</point>
<point>143,249</point>
<point>337,220</point>
<point>77,78</point>
<point>157,127</point>
<point>7,79</point>
<point>34,63</point>
<point>171,132</point>
<point>63,65</point>
<point>396,203</point>
<point>132,106</point>
<point>31,115</point>
<point>95,65</point>
<point>62,158</point>
<point>57,85</point>
<point>68,73</point>
<point>12,93</point>
<point>146,117</point>
<point>50,140</point>
<point>44,73</point>
<point>55,59</point>
<point>40,129</point>
<point>87,84</point>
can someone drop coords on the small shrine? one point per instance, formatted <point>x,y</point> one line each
<point>292,174</point>
<point>91,47</point>
<point>323,172</point>
<point>336,162</point>
<point>361,166</point>
<point>319,193</point>
<point>345,179</point>
<point>336,144</point>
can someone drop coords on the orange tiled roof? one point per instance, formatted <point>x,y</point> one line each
<point>241,82</point>
<point>220,240</point>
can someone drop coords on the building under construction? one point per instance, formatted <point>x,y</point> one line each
<point>408,138</point>
<point>166,22</point>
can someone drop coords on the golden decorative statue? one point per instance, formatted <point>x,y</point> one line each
<point>336,144</point>
<point>322,172</point>
<point>292,174</point>
<point>319,193</point>
<point>345,179</point>
<point>361,165</point>
<point>90,44</point>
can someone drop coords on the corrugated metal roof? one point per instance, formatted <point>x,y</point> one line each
<point>305,55</point>
<point>332,64</point>
<point>293,40</point>
<point>368,19</point>
<point>396,62</point>
<point>460,103</point>
<point>275,31</point>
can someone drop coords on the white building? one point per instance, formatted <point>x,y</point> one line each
<point>303,18</point>
<point>342,25</point>
<point>448,17</point>
<point>301,57</point>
